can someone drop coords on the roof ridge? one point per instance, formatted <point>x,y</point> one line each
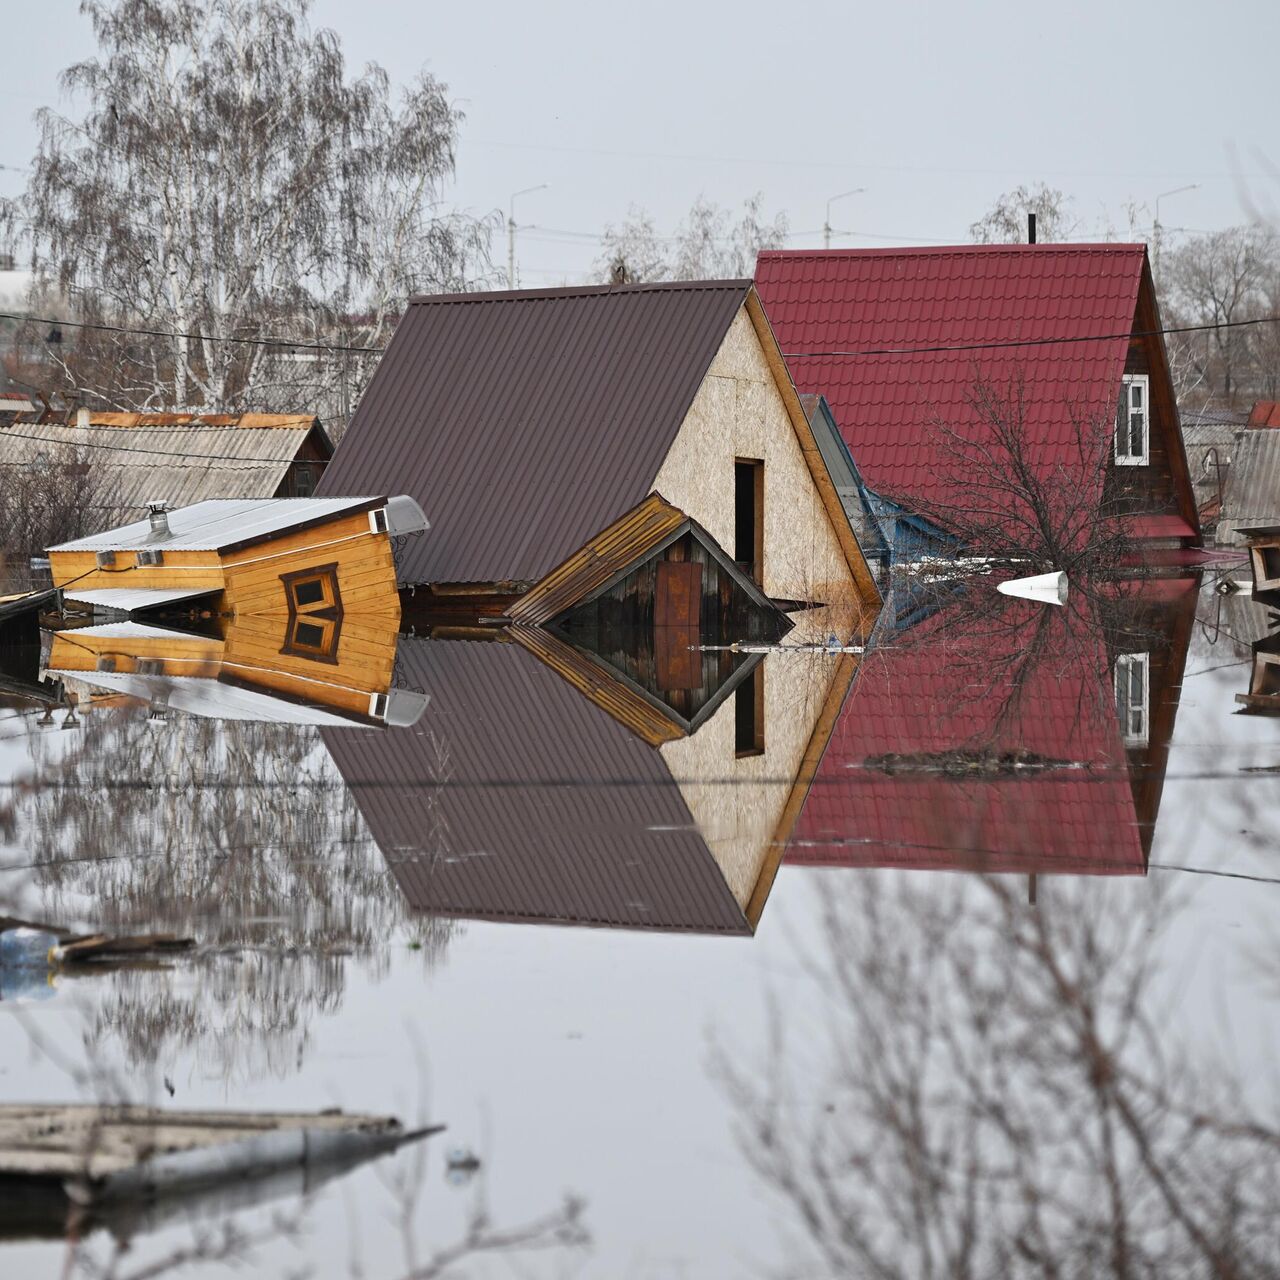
<point>582,291</point>
<point>912,251</point>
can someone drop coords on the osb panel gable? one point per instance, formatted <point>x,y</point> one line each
<point>737,803</point>
<point>738,412</point>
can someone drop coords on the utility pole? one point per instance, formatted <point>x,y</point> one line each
<point>826,225</point>
<point>511,231</point>
<point>1155,229</point>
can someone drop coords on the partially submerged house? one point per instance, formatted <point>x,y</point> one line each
<point>129,459</point>
<point>564,440</point>
<point>552,787</point>
<point>306,558</point>
<point>898,339</point>
<point>277,669</point>
<point>1025,738</point>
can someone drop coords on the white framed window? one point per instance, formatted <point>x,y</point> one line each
<point>1133,698</point>
<point>1133,421</point>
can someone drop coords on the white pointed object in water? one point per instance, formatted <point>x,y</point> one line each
<point>1047,588</point>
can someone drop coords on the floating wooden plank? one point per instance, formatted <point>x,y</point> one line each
<point>103,1153</point>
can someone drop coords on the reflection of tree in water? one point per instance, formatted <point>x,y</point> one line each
<point>242,834</point>
<point>995,1092</point>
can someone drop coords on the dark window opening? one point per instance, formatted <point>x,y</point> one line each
<point>748,515</point>
<point>1269,562</point>
<point>313,591</point>
<point>748,710</point>
<point>308,634</point>
<point>309,592</point>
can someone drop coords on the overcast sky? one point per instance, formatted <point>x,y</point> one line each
<point>935,107</point>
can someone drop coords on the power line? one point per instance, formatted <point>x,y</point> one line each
<point>938,348</point>
<point>195,337</point>
<point>1003,343</point>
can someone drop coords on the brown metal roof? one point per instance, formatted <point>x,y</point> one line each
<point>525,422</point>
<point>518,799</point>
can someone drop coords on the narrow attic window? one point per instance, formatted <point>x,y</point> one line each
<point>1133,421</point>
<point>1133,697</point>
<point>748,516</point>
<point>312,635</point>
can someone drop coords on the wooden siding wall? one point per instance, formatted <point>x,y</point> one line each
<point>182,570</point>
<point>1163,487</point>
<point>366,568</point>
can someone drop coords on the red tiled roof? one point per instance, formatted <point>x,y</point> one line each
<point>920,696</point>
<point>1056,303</point>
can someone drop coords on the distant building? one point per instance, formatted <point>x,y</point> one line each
<point>1210,437</point>
<point>573,444</point>
<point>130,459</point>
<point>315,561</point>
<point>1252,497</point>
<point>896,340</point>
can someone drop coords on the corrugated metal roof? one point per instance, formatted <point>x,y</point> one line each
<point>1253,486</point>
<point>183,464</point>
<point>899,301</point>
<point>526,422</point>
<point>218,524</point>
<point>1265,413</point>
<point>519,799</point>
<point>128,601</point>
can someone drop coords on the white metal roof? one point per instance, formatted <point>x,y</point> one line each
<point>130,631</point>
<point>129,601</point>
<point>218,523</point>
<point>213,699</point>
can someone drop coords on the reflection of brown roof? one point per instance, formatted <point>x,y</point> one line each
<point>516,798</point>
<point>526,422</point>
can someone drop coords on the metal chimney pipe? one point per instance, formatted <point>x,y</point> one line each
<point>159,514</point>
<point>1031,228</point>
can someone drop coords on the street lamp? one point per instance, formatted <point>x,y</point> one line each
<point>826,226</point>
<point>1155,229</point>
<point>511,231</point>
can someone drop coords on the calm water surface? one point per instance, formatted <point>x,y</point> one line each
<point>906,1067</point>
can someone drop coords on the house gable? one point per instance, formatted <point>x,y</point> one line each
<point>747,409</point>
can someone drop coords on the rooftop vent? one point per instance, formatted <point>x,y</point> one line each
<point>159,515</point>
<point>82,417</point>
<point>150,555</point>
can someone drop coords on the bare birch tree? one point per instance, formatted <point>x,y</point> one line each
<point>1006,221</point>
<point>708,244</point>
<point>229,179</point>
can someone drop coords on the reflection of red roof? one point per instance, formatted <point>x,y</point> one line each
<point>925,698</point>
<point>1052,300</point>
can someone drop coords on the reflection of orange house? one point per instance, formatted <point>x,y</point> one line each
<point>255,670</point>
<point>310,558</point>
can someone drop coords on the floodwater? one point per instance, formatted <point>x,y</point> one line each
<point>1009,1005</point>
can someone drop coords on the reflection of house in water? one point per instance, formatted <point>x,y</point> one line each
<point>547,786</point>
<point>1033,739</point>
<point>253,668</point>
